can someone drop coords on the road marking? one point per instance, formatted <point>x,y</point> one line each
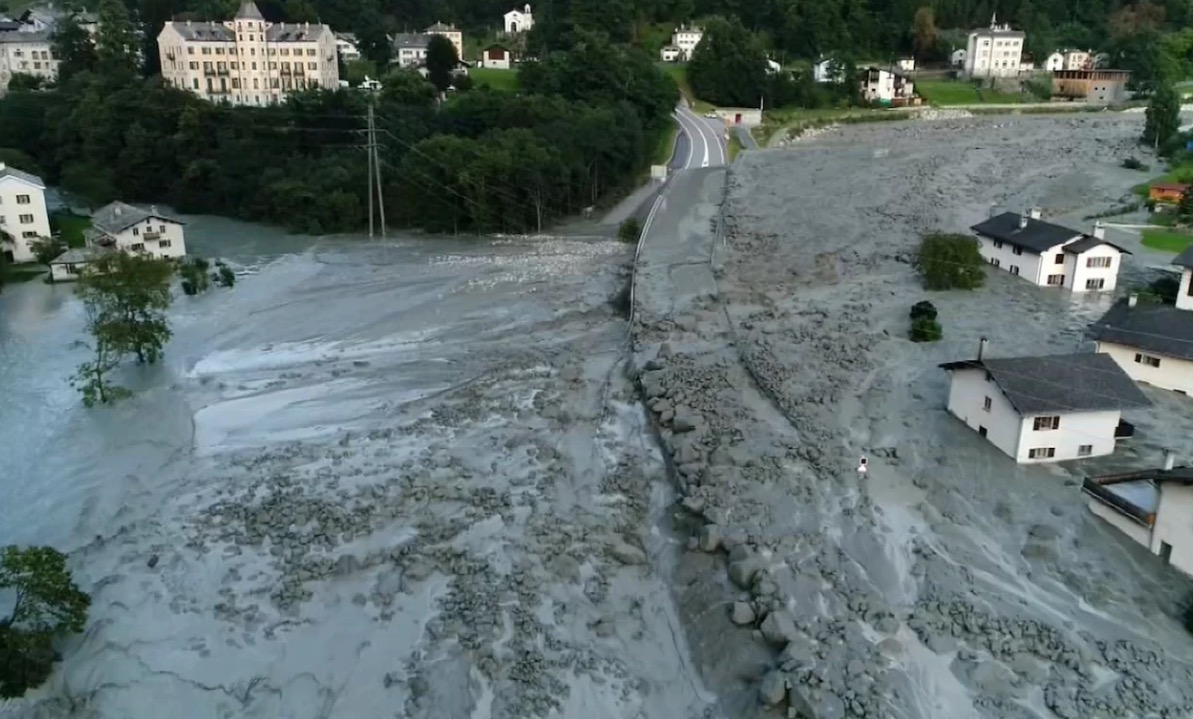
<point>658,202</point>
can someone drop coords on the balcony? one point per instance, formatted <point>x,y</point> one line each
<point>222,71</point>
<point>209,71</point>
<point>155,236</point>
<point>285,70</point>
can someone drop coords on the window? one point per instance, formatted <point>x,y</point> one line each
<point>1097,262</point>
<point>1060,258</point>
<point>1014,269</point>
<point>26,219</point>
<point>195,83</point>
<point>311,52</point>
<point>194,64</point>
<point>29,235</point>
<point>1016,250</point>
<point>1148,360</point>
<point>1041,453</point>
<point>161,229</point>
<point>995,261</point>
<point>1056,280</point>
<point>190,51</point>
<point>1085,450</point>
<point>136,232</point>
<point>254,66</point>
<point>312,65</point>
<point>256,82</point>
<point>987,404</point>
<point>1041,424</point>
<point>164,243</point>
<point>1095,283</point>
<point>138,247</point>
<point>22,199</point>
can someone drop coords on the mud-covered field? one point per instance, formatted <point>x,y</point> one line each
<point>947,582</point>
<point>405,479</point>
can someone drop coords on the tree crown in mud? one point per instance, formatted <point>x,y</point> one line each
<point>130,294</point>
<point>949,261</point>
<point>46,604</point>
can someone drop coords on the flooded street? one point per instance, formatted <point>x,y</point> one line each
<point>373,479</point>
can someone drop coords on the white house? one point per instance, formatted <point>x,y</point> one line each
<point>409,49</point>
<point>957,59</point>
<point>1153,342</point>
<point>996,51</point>
<point>1044,409</point>
<point>517,21</point>
<point>1055,62</point>
<point>906,64</point>
<point>772,67</point>
<point>346,47</point>
<point>879,85</point>
<point>670,53</point>
<point>1152,506</point>
<point>131,229</point>
<point>27,53</point>
<point>1050,255</point>
<point>23,216</point>
<point>686,38</point>
<point>828,70</point>
<point>497,57</point>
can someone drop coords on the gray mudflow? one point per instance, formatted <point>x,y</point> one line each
<point>401,479</point>
<point>770,344</point>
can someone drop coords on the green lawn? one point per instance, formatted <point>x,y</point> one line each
<point>503,80</point>
<point>1162,219</point>
<point>666,144</point>
<point>953,92</point>
<point>679,73</point>
<point>1167,240</point>
<point>70,227</point>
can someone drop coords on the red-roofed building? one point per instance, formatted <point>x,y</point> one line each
<point>1167,192</point>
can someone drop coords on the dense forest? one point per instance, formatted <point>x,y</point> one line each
<point>584,124</point>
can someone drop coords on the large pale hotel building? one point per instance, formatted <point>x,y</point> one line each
<point>247,60</point>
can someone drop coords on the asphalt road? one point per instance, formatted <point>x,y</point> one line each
<point>702,142</point>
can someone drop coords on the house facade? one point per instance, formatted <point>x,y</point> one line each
<point>828,70</point>
<point>246,60</point>
<point>1097,87</point>
<point>1153,342</point>
<point>497,57</point>
<point>957,59</point>
<point>451,32</point>
<point>27,53</point>
<point>409,49</point>
<point>23,215</point>
<point>686,38</point>
<point>1050,255</point>
<point>1044,409</point>
<point>346,47</point>
<point>996,51</point>
<point>126,228</point>
<point>517,21</point>
<point>670,53</point>
<point>1152,507</point>
<point>879,85</point>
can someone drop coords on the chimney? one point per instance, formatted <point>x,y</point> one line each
<point>1099,230</point>
<point>117,210</point>
<point>1169,459</point>
<point>1132,300</point>
<point>1022,221</point>
<point>1035,213</point>
<point>2,166</point>
<point>982,347</point>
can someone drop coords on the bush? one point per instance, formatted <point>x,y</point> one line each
<point>923,308</point>
<point>195,278</point>
<point>630,230</point>
<point>950,262</point>
<point>1132,163</point>
<point>225,277</point>
<point>925,329</point>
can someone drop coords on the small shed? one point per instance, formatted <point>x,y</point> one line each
<point>70,264</point>
<point>1167,192</point>
<point>497,57</point>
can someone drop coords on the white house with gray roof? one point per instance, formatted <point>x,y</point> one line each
<point>27,53</point>
<point>1050,255</point>
<point>248,60</point>
<point>1044,409</point>
<point>1153,341</point>
<point>131,229</point>
<point>1151,506</point>
<point>994,52</point>
<point>23,215</point>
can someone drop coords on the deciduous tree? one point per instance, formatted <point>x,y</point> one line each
<point>73,48</point>
<point>1162,117</point>
<point>441,62</point>
<point>116,40</point>
<point>925,31</point>
<point>950,262</point>
<point>728,67</point>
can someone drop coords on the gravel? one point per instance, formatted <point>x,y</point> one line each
<point>947,581</point>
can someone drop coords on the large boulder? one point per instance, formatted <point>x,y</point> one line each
<point>779,628</point>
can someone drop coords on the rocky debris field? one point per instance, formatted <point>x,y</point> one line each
<point>420,486</point>
<point>947,582</point>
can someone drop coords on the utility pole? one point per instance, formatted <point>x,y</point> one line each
<point>375,173</point>
<point>369,174</point>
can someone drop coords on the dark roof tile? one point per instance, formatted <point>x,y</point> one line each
<point>1036,235</point>
<point>1155,327</point>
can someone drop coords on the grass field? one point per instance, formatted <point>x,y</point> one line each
<point>952,92</point>
<point>679,73</point>
<point>666,143</point>
<point>502,80</point>
<point>70,227</point>
<point>1167,240</point>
